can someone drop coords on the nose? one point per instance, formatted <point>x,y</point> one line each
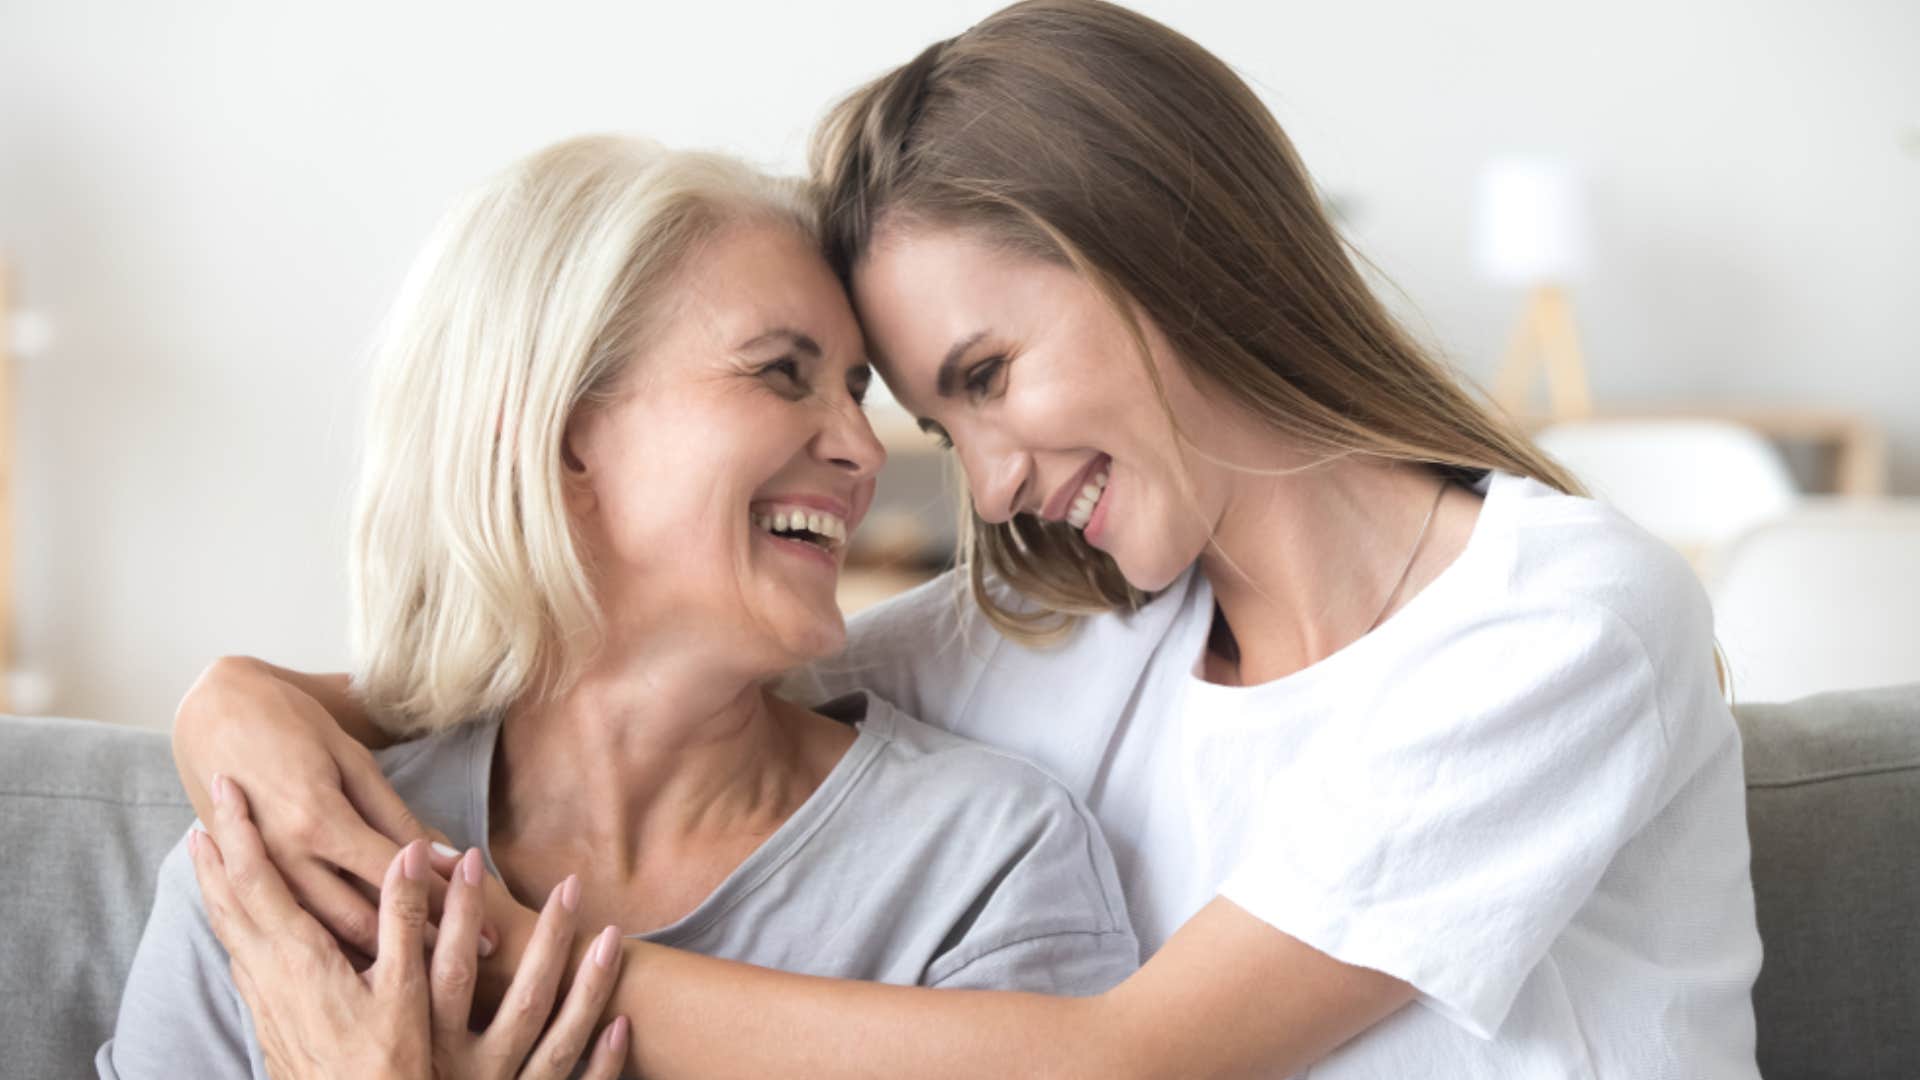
<point>996,475</point>
<point>847,441</point>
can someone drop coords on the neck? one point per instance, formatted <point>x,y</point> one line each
<point>1306,563</point>
<point>650,758</point>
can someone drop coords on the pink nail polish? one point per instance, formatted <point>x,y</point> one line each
<point>605,948</point>
<point>486,946</point>
<point>570,893</point>
<point>470,866</point>
<point>413,861</point>
<point>193,841</point>
<point>219,789</point>
<point>617,1034</point>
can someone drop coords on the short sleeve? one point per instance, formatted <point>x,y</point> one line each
<point>1073,963</point>
<point>1454,829</point>
<point>179,1014</point>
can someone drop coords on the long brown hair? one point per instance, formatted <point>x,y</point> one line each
<point>1090,135</point>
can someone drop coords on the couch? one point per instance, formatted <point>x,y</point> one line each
<point>87,811</point>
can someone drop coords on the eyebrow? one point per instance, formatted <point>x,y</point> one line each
<point>948,380</point>
<point>799,341</point>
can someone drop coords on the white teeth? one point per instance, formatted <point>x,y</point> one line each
<point>1081,511</point>
<point>829,529</point>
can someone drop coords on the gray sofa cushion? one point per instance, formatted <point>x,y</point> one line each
<point>86,812</point>
<point>1833,807</point>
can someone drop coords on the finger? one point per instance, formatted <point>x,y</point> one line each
<point>374,798</point>
<point>224,910</point>
<point>455,956</point>
<point>529,1000</point>
<point>609,1052</point>
<point>346,913</point>
<point>360,850</point>
<point>400,968</point>
<point>566,1039</point>
<point>256,882</point>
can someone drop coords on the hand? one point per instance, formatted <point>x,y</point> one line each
<point>513,1043</point>
<point>332,810</point>
<point>314,1015</point>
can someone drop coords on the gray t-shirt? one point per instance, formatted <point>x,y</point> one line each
<point>923,859</point>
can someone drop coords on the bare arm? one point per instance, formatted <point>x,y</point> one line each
<point>1227,996</point>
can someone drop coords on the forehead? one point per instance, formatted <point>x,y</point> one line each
<point>922,291</point>
<point>752,276</point>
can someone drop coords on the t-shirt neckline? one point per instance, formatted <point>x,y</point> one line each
<point>1495,488</point>
<point>874,721</point>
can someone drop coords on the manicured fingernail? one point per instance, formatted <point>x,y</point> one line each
<point>446,850</point>
<point>413,861</point>
<point>486,945</point>
<point>608,944</point>
<point>570,893</point>
<point>219,788</point>
<point>470,866</point>
<point>617,1034</point>
<point>193,841</point>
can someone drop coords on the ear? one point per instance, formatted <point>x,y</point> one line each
<point>575,476</point>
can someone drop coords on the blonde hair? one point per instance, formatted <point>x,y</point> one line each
<point>1083,133</point>
<point>469,591</point>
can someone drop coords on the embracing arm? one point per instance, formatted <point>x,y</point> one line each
<point>1227,996</point>
<point>308,740</point>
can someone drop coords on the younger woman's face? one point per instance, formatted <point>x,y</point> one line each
<point>1034,379</point>
<point>715,492</point>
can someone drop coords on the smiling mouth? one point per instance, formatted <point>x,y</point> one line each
<point>1080,511</point>
<point>825,531</point>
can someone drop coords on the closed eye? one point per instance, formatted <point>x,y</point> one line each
<point>939,433</point>
<point>787,370</point>
<point>982,378</point>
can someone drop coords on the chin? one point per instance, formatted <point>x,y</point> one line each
<point>1152,571</point>
<point>819,637</point>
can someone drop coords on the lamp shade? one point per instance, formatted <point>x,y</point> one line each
<point>1530,221</point>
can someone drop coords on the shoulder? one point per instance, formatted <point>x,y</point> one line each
<point>1581,550</point>
<point>1033,897</point>
<point>443,777</point>
<point>960,776</point>
<point>1576,563</point>
<point>933,651</point>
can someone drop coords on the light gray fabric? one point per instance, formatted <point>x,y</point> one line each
<point>1833,806</point>
<point>922,859</point>
<point>86,812</point>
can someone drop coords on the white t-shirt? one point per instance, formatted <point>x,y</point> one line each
<point>1522,793</point>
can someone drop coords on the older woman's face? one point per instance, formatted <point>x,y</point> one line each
<point>716,492</point>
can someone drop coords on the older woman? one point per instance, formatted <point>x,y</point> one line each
<point>616,449</point>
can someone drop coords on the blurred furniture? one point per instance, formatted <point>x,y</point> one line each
<point>1833,805</point>
<point>1850,448</point>
<point>1694,483</point>
<point>1826,597</point>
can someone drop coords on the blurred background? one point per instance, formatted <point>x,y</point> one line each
<point>1680,240</point>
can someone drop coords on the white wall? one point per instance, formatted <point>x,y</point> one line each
<point>211,202</point>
